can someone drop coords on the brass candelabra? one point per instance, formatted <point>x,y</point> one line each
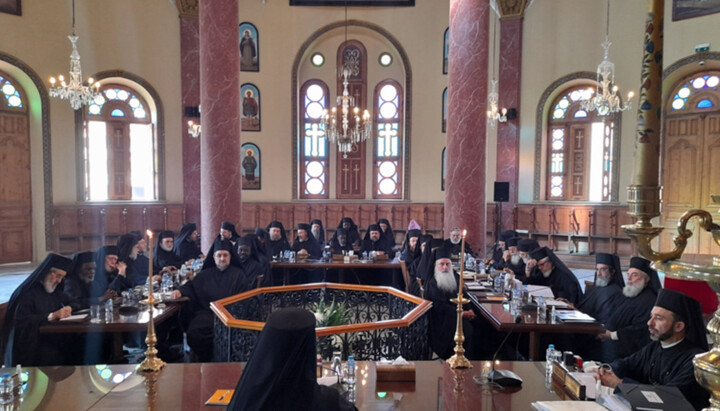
<point>458,360</point>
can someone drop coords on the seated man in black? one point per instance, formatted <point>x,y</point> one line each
<point>411,248</point>
<point>106,270</point>
<point>278,242</point>
<point>351,231</point>
<point>227,232</point>
<point>511,260</point>
<point>254,264</point>
<point>339,244</point>
<point>454,244</point>
<point>626,327</point>
<point>79,279</point>
<point>186,246</point>
<point>164,259</point>
<point>374,245</point>
<point>546,269</point>
<point>318,231</point>
<point>280,374</point>
<point>677,332</point>
<point>132,266</point>
<point>222,276</point>
<point>603,297</point>
<point>305,243</point>
<point>500,248</point>
<point>35,302</point>
<point>440,288</point>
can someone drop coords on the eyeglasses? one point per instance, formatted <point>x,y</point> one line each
<point>603,270</point>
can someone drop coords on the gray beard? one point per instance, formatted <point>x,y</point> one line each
<point>515,259</point>
<point>455,242</point>
<point>168,249</point>
<point>316,233</point>
<point>48,288</point>
<point>602,281</point>
<point>445,280</point>
<point>632,290</point>
<point>547,273</point>
<point>525,259</point>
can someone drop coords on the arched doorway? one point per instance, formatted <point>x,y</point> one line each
<point>691,154</point>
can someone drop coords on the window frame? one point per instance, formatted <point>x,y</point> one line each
<point>302,159</point>
<point>399,159</point>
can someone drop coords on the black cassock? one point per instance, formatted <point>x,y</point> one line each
<point>670,366</point>
<point>629,319</point>
<point>209,285</point>
<point>379,245</point>
<point>518,269</point>
<point>78,293</point>
<point>29,347</point>
<point>443,323</point>
<point>163,258</point>
<point>310,245</point>
<point>188,250</point>
<point>277,247</point>
<point>456,248</point>
<point>600,302</point>
<point>563,283</point>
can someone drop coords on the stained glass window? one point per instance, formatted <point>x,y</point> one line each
<point>694,89</point>
<point>580,147</point>
<point>119,147</point>
<point>12,96</point>
<point>314,144</point>
<point>388,140</point>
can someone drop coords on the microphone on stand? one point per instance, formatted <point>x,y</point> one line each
<point>505,378</point>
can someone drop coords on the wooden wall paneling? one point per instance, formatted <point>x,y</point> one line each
<point>175,218</point>
<point>114,221</point>
<point>155,217</point>
<point>135,219</point>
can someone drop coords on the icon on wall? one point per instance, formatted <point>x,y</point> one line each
<point>249,48</point>
<point>250,109</point>
<point>250,166</point>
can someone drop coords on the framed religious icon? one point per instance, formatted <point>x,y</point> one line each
<point>11,7</point>
<point>446,50</point>
<point>442,170</point>
<point>250,166</point>
<point>685,9</point>
<point>249,47</point>
<point>250,107</point>
<point>444,110</point>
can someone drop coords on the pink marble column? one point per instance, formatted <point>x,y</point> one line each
<point>220,177</point>
<point>508,134</point>
<point>190,93</point>
<point>466,121</point>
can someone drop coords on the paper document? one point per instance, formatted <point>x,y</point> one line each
<point>77,317</point>
<point>574,317</point>
<point>556,303</point>
<point>588,380</point>
<point>567,406</point>
<point>540,290</point>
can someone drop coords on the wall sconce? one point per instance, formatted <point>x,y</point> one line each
<point>194,129</point>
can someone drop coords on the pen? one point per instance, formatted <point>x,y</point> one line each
<point>224,395</point>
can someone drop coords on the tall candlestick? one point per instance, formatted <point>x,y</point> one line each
<point>458,360</point>
<point>150,266</point>
<point>462,264</point>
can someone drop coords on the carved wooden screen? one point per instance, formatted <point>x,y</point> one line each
<point>351,170</point>
<point>15,196</point>
<point>691,154</point>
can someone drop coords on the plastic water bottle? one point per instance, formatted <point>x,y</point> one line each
<point>480,266</point>
<point>469,262</point>
<point>17,382</point>
<point>6,389</point>
<point>108,310</point>
<point>350,374</point>
<point>525,295</point>
<point>549,357</point>
<point>166,284</point>
<point>541,310</point>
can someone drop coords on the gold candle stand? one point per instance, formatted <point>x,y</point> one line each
<point>458,360</point>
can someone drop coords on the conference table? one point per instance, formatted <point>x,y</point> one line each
<point>189,386</point>
<point>498,313</point>
<point>119,323</point>
<point>290,269</point>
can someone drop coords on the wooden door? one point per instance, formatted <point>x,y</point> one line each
<point>118,161</point>
<point>15,195</point>
<point>690,175</point>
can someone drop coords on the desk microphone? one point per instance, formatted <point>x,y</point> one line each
<point>505,378</point>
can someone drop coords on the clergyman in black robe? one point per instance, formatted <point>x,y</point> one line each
<point>186,246</point>
<point>386,233</point>
<point>79,279</point>
<point>318,231</point>
<point>132,266</point>
<point>38,300</point>
<point>353,235</point>
<point>499,249</point>
<point>546,269</point>
<point>454,244</point>
<point>164,259</point>
<point>222,276</point>
<point>374,244</point>
<point>339,243</point>
<point>440,288</point>
<point>411,248</point>
<point>106,270</point>
<point>254,264</point>
<point>278,238</point>
<point>677,330</point>
<point>263,246</point>
<point>306,243</point>
<point>602,298</point>
<point>424,252</point>
<point>626,329</point>
<point>511,260</point>
<point>281,372</point>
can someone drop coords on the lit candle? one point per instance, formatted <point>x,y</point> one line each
<point>462,264</point>
<point>150,267</point>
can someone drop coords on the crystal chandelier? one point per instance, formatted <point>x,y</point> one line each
<point>494,113</point>
<point>75,91</point>
<point>346,134</point>
<point>606,100</point>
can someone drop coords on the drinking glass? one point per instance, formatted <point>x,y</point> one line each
<point>95,314</point>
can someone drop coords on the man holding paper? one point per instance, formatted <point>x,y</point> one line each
<point>678,334</point>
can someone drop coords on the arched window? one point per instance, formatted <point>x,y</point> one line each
<point>313,143</point>
<point>387,158</point>
<point>580,150</point>
<point>698,93</point>
<point>120,147</point>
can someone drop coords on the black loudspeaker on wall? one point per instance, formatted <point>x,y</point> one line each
<point>502,192</point>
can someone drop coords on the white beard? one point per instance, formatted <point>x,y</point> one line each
<point>525,259</point>
<point>547,273</point>
<point>168,249</point>
<point>632,290</point>
<point>446,280</point>
<point>515,259</point>
<point>49,288</point>
<point>455,242</point>
<point>602,281</point>
<point>316,234</point>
